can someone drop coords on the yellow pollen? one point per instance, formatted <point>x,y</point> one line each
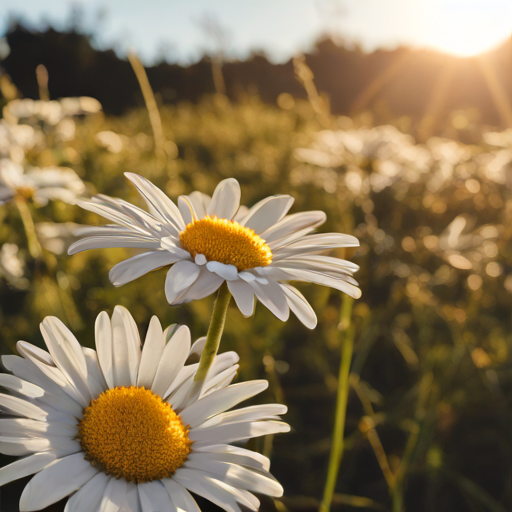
<point>25,192</point>
<point>226,241</point>
<point>133,434</point>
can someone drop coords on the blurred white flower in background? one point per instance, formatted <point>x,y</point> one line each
<point>51,112</point>
<point>12,267</point>
<point>25,126</point>
<point>56,237</point>
<point>41,185</point>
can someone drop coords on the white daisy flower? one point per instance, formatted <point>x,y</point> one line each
<point>212,240</point>
<point>41,185</point>
<point>124,428</point>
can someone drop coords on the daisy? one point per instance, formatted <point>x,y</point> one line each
<point>209,241</point>
<point>41,185</point>
<point>124,428</point>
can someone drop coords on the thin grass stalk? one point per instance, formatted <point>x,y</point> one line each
<point>149,98</point>
<point>338,442</point>
<point>34,246</point>
<point>398,491</point>
<point>215,330</point>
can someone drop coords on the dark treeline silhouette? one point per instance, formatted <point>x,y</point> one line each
<point>425,85</point>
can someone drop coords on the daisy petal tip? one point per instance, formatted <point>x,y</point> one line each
<point>200,259</point>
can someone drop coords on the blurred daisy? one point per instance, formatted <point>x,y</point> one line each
<point>125,428</point>
<point>12,266</point>
<point>41,185</point>
<point>56,237</point>
<point>212,240</point>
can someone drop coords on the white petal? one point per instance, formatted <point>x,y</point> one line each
<point>20,446</point>
<point>20,407</point>
<point>220,381</point>
<point>180,497</point>
<point>180,277</point>
<point>271,296</point>
<point>109,242</point>
<point>151,354</point>
<point>219,493</point>
<point>189,391</point>
<point>241,213</point>
<point>340,283</point>
<point>25,369</point>
<point>220,401</point>
<point>243,295</point>
<point>236,432</point>
<point>225,200</point>
<point>110,210</point>
<point>205,284</point>
<point>120,496</point>
<point>107,229</point>
<point>126,351</point>
<point>251,413</point>
<point>238,476</point>
<point>200,202</point>
<point>33,354</point>
<point>67,354</point>
<point>235,454</point>
<point>162,206</point>
<point>173,358</point>
<point>88,498</point>
<point>140,220</point>
<point>198,346</point>
<point>267,212</point>
<point>318,263</point>
<point>292,223</point>
<point>228,272</point>
<point>173,246</point>
<point>313,243</point>
<point>39,396</point>
<point>184,375</point>
<point>139,265</point>
<point>300,306</point>
<point>59,480</point>
<point>27,466</point>
<point>200,259</point>
<point>154,497</point>
<point>95,379</point>
<point>103,336</point>
<point>187,209</point>
<point>20,386</point>
<point>24,427</point>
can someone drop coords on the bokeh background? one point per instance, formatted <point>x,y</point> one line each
<point>394,117</point>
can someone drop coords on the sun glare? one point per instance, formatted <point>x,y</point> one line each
<point>465,28</point>
<point>463,44</point>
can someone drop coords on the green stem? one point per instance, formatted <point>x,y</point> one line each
<point>215,330</point>
<point>338,442</point>
<point>34,246</point>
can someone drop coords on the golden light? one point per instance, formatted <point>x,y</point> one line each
<point>463,44</point>
<point>466,28</point>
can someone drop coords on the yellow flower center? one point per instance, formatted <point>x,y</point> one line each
<point>133,434</point>
<point>226,241</point>
<point>25,192</point>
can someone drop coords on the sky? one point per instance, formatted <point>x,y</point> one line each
<point>175,30</point>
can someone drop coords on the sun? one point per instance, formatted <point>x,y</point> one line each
<point>462,44</point>
<point>467,28</point>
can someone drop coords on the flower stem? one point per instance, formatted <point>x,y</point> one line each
<point>34,246</point>
<point>338,443</point>
<point>215,330</point>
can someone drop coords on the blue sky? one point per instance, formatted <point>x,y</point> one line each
<point>281,28</point>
